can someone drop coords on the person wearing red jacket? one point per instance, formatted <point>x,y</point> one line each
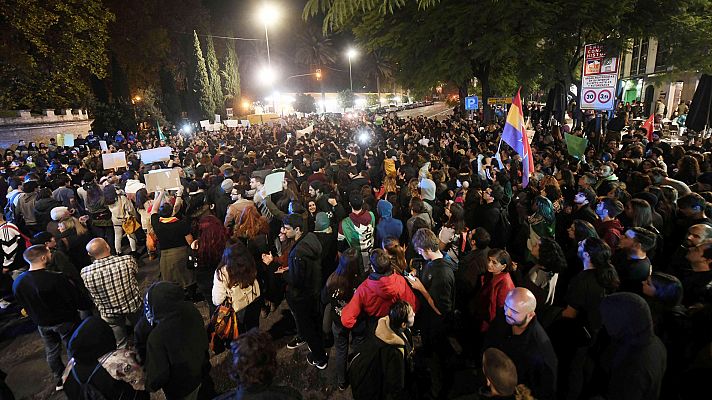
<point>375,296</point>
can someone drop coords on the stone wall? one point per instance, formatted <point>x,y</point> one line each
<point>40,128</point>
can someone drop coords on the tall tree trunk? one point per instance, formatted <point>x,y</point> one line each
<point>484,79</point>
<point>462,92</point>
<point>378,87</point>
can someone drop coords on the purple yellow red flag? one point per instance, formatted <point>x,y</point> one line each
<point>515,135</point>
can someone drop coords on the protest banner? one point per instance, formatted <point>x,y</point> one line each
<point>162,178</point>
<point>155,155</point>
<point>273,182</point>
<point>231,123</point>
<point>302,132</point>
<point>69,139</point>
<point>114,160</point>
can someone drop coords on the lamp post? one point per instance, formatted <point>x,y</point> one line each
<point>268,14</point>
<point>351,53</point>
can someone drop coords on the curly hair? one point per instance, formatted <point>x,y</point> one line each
<point>251,224</point>
<point>254,359</point>
<point>551,256</point>
<point>240,266</point>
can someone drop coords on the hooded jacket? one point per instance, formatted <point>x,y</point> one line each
<point>379,369</point>
<point>304,274</point>
<point>43,207</point>
<point>634,362</point>
<point>177,346</point>
<point>374,297</point>
<point>387,225</point>
<point>89,343</point>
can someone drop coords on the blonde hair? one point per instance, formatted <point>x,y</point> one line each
<point>73,222</point>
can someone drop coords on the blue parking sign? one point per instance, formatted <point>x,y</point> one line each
<point>472,103</point>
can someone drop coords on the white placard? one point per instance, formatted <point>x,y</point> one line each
<point>69,139</point>
<point>114,160</point>
<point>231,123</point>
<point>302,132</point>
<point>163,178</point>
<point>228,111</point>
<point>102,144</point>
<point>217,118</point>
<point>273,182</point>
<point>155,155</point>
<point>245,122</point>
<point>204,123</point>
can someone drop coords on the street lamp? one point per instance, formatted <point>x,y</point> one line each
<point>268,14</point>
<point>351,53</point>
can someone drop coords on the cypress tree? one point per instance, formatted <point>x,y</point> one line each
<point>216,93</point>
<point>231,77</point>
<point>201,82</point>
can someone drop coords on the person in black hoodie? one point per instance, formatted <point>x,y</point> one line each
<point>304,284</point>
<point>488,215</point>
<point>43,206</point>
<point>438,277</point>
<point>631,366</point>
<point>89,347</point>
<point>174,343</point>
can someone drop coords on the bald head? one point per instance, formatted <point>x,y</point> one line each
<point>519,307</point>
<point>97,248</point>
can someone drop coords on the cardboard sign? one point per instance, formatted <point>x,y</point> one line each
<point>114,160</point>
<point>231,123</point>
<point>273,182</point>
<point>245,122</point>
<point>155,155</point>
<point>60,140</point>
<point>162,178</point>
<point>102,144</point>
<point>204,123</point>
<point>228,111</point>
<point>302,132</point>
<point>69,139</point>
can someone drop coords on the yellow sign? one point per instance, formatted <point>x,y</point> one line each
<point>499,100</point>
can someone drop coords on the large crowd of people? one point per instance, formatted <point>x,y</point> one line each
<point>406,250</point>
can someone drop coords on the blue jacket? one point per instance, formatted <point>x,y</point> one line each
<point>387,225</point>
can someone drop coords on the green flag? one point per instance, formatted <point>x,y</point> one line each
<point>379,120</point>
<point>575,145</point>
<point>160,133</point>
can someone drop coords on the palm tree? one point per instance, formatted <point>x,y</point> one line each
<point>314,49</point>
<point>379,67</point>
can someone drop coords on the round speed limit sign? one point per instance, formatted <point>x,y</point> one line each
<point>604,96</point>
<point>589,96</point>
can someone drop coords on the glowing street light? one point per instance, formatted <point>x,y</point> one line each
<point>351,53</point>
<point>267,76</point>
<point>268,14</point>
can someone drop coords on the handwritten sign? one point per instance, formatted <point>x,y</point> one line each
<point>162,178</point>
<point>155,155</point>
<point>114,160</point>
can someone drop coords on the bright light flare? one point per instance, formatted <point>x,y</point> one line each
<point>351,53</point>
<point>268,14</point>
<point>267,76</point>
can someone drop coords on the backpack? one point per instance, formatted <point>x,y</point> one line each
<point>87,391</point>
<point>10,210</point>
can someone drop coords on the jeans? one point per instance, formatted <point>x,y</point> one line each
<point>341,342</point>
<point>119,234</point>
<point>123,325</point>
<point>53,337</point>
<point>308,318</point>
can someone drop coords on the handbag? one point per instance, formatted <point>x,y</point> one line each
<point>222,327</point>
<point>130,224</point>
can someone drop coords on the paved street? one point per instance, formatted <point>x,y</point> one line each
<point>439,110</point>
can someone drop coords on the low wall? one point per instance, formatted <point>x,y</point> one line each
<point>40,128</point>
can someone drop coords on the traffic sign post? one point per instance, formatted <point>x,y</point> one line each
<point>472,103</point>
<point>599,79</point>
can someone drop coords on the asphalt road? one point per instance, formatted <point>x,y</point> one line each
<point>438,110</point>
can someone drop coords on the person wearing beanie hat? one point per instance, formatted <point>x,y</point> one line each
<point>327,237</point>
<point>322,222</point>
<point>635,359</point>
<point>387,225</point>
